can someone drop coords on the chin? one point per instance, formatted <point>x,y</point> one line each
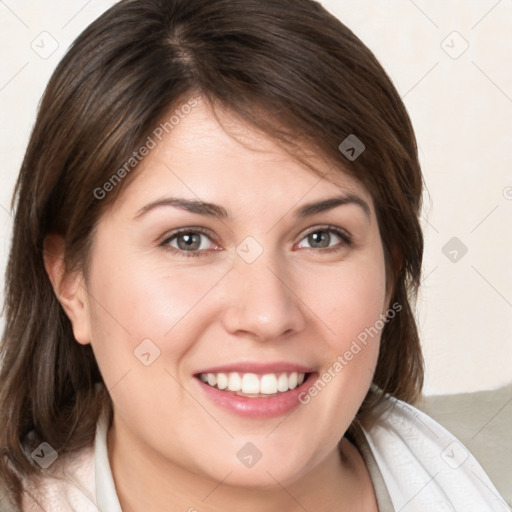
<point>267,473</point>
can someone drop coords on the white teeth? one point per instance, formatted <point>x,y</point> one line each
<point>268,384</point>
<point>282,382</point>
<point>250,384</point>
<point>222,380</point>
<point>234,382</point>
<point>253,384</point>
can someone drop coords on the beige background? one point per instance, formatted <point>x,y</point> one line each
<point>460,102</point>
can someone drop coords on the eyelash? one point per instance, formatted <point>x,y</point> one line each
<point>343,235</point>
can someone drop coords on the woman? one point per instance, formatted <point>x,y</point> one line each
<point>209,290</point>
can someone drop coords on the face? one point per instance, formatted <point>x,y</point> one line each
<point>247,294</point>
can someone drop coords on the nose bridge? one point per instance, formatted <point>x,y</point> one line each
<point>259,300</point>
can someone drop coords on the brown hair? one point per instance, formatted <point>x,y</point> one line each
<point>287,67</point>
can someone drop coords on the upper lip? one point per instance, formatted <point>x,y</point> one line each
<point>258,368</point>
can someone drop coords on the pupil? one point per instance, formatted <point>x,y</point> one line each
<point>191,241</point>
<point>319,237</point>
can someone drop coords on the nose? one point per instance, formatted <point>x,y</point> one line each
<point>259,300</point>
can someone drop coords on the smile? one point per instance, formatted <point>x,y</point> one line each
<point>255,390</point>
<point>252,384</point>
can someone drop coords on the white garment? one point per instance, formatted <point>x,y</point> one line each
<point>423,466</point>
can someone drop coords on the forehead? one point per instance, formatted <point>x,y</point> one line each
<point>216,156</point>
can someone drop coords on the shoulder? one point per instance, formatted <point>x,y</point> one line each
<point>68,484</point>
<point>424,466</point>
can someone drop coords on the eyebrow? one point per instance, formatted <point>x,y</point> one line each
<point>219,212</point>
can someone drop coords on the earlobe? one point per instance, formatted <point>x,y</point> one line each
<point>69,287</point>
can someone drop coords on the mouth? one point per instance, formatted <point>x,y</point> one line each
<point>254,385</point>
<point>254,390</point>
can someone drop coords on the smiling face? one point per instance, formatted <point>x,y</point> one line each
<point>251,287</point>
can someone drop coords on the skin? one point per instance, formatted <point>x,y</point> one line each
<point>170,446</point>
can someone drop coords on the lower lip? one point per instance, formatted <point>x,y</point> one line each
<point>264,407</point>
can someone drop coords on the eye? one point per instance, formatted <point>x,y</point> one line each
<point>188,240</point>
<point>321,238</point>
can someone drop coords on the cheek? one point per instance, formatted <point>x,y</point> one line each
<point>146,300</point>
<point>351,305</point>
<point>132,301</point>
<point>351,302</point>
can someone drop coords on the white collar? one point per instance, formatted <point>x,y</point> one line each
<point>106,495</point>
<point>424,466</point>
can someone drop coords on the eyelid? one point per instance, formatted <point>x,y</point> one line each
<point>188,229</point>
<point>345,235</point>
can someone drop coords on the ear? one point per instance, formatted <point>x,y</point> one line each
<point>69,288</point>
